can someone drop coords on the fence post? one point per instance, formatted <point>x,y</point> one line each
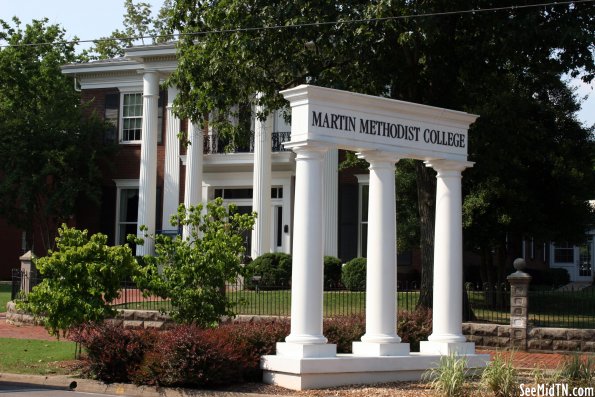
<point>26,269</point>
<point>519,303</point>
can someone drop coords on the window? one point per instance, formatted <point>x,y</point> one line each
<point>363,220</point>
<point>276,192</point>
<point>132,117</point>
<point>363,182</point>
<point>563,253</point>
<point>126,209</point>
<point>244,193</point>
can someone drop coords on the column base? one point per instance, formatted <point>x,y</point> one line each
<point>447,348</point>
<point>298,350</point>
<point>372,349</point>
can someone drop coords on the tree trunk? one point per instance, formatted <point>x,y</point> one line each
<point>426,194</point>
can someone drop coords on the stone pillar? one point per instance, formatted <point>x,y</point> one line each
<point>306,339</point>
<point>519,304</point>
<point>331,200</point>
<point>27,270</point>
<point>261,201</point>
<point>381,337</point>
<point>171,173</point>
<point>147,186</point>
<point>194,165</point>
<point>447,314</point>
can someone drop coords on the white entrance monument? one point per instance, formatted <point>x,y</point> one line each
<point>382,131</point>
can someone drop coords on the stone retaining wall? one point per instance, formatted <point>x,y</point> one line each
<point>484,335</point>
<point>538,339</point>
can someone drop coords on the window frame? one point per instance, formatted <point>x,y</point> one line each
<point>362,181</point>
<point>122,118</point>
<point>123,184</point>
<point>566,247</point>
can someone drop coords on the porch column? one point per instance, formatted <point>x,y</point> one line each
<point>381,337</point>
<point>306,339</point>
<point>171,174</point>
<point>331,200</point>
<point>261,201</point>
<point>194,163</point>
<point>447,314</point>
<point>147,187</point>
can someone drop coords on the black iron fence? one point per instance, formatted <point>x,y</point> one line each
<point>487,303</point>
<point>22,282</point>
<point>482,303</point>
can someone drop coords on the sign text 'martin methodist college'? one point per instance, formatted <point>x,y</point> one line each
<point>405,132</point>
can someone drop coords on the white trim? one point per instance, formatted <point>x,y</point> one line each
<point>362,180</point>
<point>126,183</point>
<point>121,140</point>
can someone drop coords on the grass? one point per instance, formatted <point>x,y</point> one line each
<point>5,290</point>
<point>28,356</point>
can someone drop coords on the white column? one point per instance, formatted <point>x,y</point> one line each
<point>171,172</point>
<point>447,313</point>
<point>306,339</point>
<point>194,164</point>
<point>261,201</point>
<point>147,187</point>
<point>381,337</point>
<point>331,202</point>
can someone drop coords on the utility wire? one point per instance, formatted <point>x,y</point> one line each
<point>310,24</point>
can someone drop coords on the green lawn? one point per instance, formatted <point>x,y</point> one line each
<point>28,356</point>
<point>5,290</point>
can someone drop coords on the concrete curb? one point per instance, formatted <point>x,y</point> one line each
<point>120,389</point>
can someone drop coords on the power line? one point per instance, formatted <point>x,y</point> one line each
<point>310,24</point>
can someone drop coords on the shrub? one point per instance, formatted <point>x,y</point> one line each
<point>551,277</point>
<point>332,272</point>
<point>343,330</point>
<point>195,357</point>
<point>273,268</point>
<point>258,339</point>
<point>191,356</point>
<point>354,274</point>
<point>192,271</point>
<point>414,326</point>
<point>448,379</point>
<point>500,377</point>
<point>80,279</point>
<point>113,353</point>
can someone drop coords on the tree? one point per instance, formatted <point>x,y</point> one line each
<point>534,180</point>
<point>231,50</point>
<point>192,272</point>
<point>48,149</point>
<point>139,26</point>
<point>80,280</point>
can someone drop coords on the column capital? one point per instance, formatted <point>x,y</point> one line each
<point>443,165</point>
<point>377,156</point>
<point>309,150</point>
<point>150,82</point>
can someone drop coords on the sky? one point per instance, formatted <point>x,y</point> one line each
<point>91,19</point>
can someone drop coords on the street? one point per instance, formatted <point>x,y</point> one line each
<point>23,390</point>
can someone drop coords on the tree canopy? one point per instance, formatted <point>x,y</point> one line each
<point>505,65</point>
<point>47,149</point>
<point>139,27</point>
